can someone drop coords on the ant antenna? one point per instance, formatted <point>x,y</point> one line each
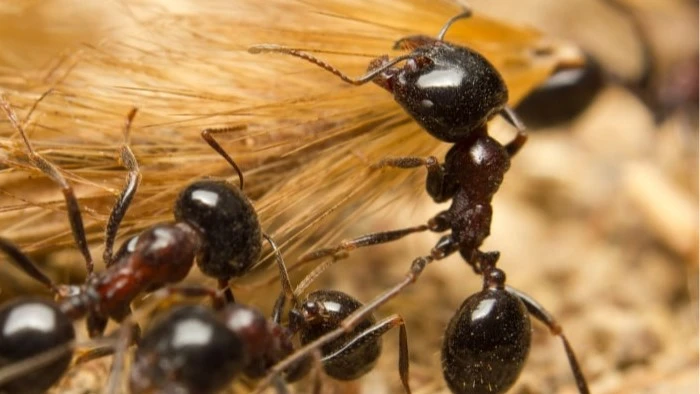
<point>23,262</point>
<point>76,220</point>
<point>467,13</point>
<point>127,195</point>
<point>316,272</point>
<point>284,275</point>
<point>207,135</point>
<point>264,48</point>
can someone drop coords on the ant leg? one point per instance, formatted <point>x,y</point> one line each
<point>545,317</point>
<point>361,242</point>
<point>439,184</point>
<point>521,138</point>
<point>74,216</point>
<point>208,136</point>
<point>368,77</point>
<point>191,291</point>
<point>284,275</point>
<point>228,294</point>
<point>430,162</point>
<point>376,331</point>
<point>125,339</point>
<point>23,262</point>
<point>103,351</point>
<point>445,247</point>
<point>438,223</point>
<point>96,324</point>
<point>126,156</point>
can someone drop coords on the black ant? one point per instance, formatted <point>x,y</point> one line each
<point>452,92</point>
<point>569,91</point>
<point>215,224</point>
<point>193,349</point>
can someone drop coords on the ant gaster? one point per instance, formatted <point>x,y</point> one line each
<point>452,92</point>
<point>216,224</point>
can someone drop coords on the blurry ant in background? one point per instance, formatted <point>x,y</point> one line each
<point>569,91</point>
<point>194,349</point>
<point>215,224</point>
<point>452,92</point>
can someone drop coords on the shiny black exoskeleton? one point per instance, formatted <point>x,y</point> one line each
<point>352,355</point>
<point>487,341</point>
<point>452,92</point>
<point>31,327</point>
<point>448,89</point>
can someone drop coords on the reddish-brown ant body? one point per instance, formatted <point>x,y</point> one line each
<point>452,92</point>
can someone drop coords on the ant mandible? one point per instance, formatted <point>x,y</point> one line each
<point>215,224</point>
<point>452,92</point>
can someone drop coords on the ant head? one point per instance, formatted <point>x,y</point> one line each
<point>31,327</point>
<point>228,224</point>
<point>325,309</point>
<point>332,308</point>
<point>448,89</point>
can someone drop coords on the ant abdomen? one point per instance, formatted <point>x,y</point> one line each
<point>232,238</point>
<point>323,311</point>
<point>486,343</point>
<point>448,89</point>
<point>33,327</point>
<point>189,351</point>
